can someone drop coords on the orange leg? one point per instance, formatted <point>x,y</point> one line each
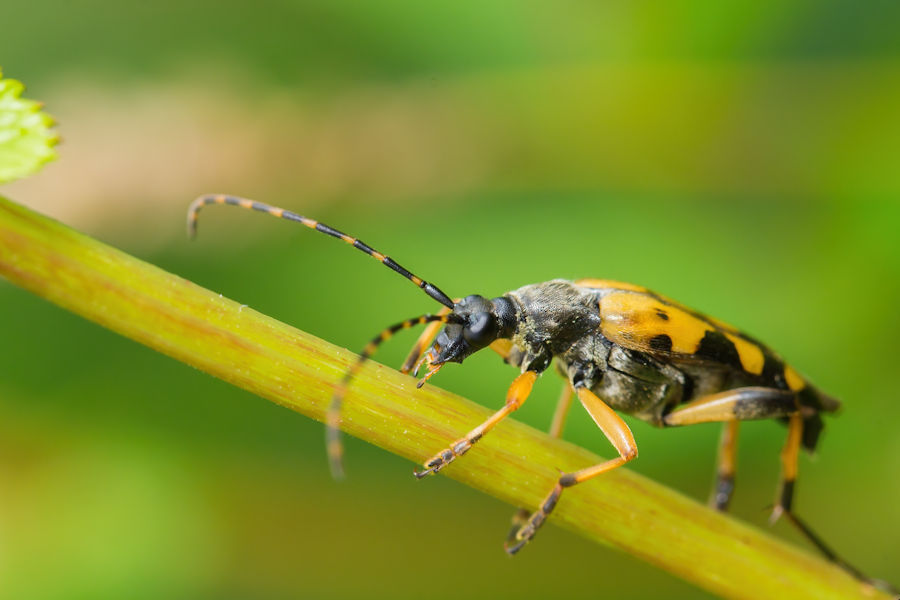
<point>619,435</point>
<point>556,428</point>
<point>515,397</point>
<point>783,505</point>
<point>562,411</point>
<point>789,455</point>
<point>727,461</point>
<point>731,407</point>
<point>740,404</point>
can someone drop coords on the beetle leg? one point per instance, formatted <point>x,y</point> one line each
<point>562,411</point>
<point>789,455</point>
<point>619,435</point>
<point>727,460</point>
<point>741,404</point>
<point>784,502</point>
<point>556,428</point>
<point>503,347</point>
<point>515,397</point>
<point>733,406</point>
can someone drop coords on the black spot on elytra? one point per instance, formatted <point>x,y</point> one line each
<point>661,343</point>
<point>773,371</point>
<point>716,347</point>
<point>662,314</point>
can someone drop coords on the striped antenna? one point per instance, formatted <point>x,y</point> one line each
<point>333,417</point>
<point>432,290</point>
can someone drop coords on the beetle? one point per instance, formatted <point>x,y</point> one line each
<point>621,348</point>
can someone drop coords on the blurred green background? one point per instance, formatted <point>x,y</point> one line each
<point>739,157</point>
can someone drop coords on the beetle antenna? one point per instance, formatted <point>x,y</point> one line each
<point>333,417</point>
<point>432,290</point>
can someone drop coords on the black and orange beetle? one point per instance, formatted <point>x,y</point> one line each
<point>620,347</point>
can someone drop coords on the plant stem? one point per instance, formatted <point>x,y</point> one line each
<point>514,463</point>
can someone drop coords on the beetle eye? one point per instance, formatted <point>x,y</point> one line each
<point>481,330</point>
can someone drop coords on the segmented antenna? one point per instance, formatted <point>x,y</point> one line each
<point>333,417</point>
<point>432,290</point>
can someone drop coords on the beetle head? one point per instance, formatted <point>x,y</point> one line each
<point>476,322</point>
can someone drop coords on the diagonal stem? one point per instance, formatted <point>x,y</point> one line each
<point>515,463</point>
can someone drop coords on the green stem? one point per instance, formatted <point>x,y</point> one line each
<point>514,463</point>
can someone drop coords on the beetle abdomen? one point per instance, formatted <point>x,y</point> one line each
<point>639,319</point>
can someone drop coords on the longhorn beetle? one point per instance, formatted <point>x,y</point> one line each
<point>620,347</point>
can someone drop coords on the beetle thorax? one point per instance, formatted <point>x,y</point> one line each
<point>556,314</point>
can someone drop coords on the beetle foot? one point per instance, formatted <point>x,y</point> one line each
<point>519,519</point>
<point>526,532</point>
<point>444,458</point>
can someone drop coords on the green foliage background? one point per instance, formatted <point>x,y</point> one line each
<point>738,157</point>
<point>26,140</point>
